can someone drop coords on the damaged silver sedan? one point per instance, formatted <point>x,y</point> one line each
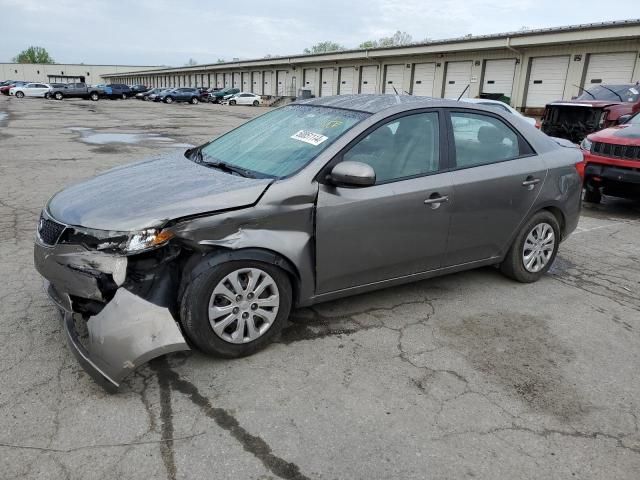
<point>321,199</point>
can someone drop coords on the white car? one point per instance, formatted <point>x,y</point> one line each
<point>501,106</point>
<point>243,98</point>
<point>30,90</point>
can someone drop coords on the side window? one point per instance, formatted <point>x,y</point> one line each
<point>482,139</point>
<point>402,148</point>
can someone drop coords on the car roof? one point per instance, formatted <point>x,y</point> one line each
<point>375,103</point>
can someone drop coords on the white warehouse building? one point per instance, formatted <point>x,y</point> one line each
<point>63,72</point>
<point>530,67</point>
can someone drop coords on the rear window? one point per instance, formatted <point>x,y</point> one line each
<point>615,93</point>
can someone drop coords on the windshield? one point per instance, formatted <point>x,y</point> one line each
<point>279,143</point>
<point>616,93</point>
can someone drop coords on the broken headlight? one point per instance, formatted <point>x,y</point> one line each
<point>586,144</point>
<point>124,243</point>
<point>146,240</point>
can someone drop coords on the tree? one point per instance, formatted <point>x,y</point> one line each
<point>33,55</point>
<point>397,39</point>
<point>324,47</point>
<point>190,63</point>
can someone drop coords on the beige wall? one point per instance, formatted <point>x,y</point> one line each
<point>39,72</point>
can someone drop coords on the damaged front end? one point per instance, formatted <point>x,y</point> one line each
<point>115,290</point>
<point>573,121</point>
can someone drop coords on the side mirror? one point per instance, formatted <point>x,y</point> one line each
<point>353,174</point>
<point>624,119</point>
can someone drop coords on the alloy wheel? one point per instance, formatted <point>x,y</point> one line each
<point>244,305</point>
<point>538,247</point>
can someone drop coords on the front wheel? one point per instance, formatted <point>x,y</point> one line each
<point>194,101</point>
<point>256,103</point>
<point>123,96</point>
<point>47,95</point>
<point>168,100</point>
<point>534,249</point>
<point>58,96</point>
<point>19,94</point>
<point>94,96</point>
<point>234,309</point>
<point>592,195</point>
<point>232,102</point>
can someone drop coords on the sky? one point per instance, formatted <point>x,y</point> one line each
<point>161,32</point>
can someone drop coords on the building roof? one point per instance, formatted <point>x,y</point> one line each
<point>371,103</point>
<point>507,36</point>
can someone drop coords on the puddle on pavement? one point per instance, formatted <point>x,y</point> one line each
<point>3,117</point>
<point>89,136</point>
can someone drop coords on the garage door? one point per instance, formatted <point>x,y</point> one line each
<point>308,76</point>
<point>326,82</point>
<point>394,75</point>
<point>368,79</point>
<point>546,80</point>
<point>424,77</point>
<point>256,83</point>
<point>227,79</point>
<point>610,68</point>
<point>498,76</point>
<point>281,82</point>
<point>246,86</point>
<point>347,75</point>
<point>236,80</point>
<point>268,83</point>
<point>219,80</point>
<point>457,79</point>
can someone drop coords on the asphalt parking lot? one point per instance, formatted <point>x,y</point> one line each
<point>466,376</point>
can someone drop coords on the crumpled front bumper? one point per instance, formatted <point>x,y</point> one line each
<point>126,333</point>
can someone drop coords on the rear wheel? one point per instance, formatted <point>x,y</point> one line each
<point>94,96</point>
<point>123,96</point>
<point>236,308</point>
<point>256,103</point>
<point>534,248</point>
<point>232,102</point>
<point>58,96</point>
<point>194,101</point>
<point>168,100</point>
<point>47,95</point>
<point>19,94</point>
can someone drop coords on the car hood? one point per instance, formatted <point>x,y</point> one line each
<point>149,193</point>
<point>585,103</point>
<point>620,135</point>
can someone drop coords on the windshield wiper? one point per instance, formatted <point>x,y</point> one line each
<point>614,92</point>
<point>226,167</point>
<point>585,91</point>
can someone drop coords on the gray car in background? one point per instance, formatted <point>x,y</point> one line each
<point>314,201</point>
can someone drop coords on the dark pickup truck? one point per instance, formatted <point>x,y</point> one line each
<point>599,107</point>
<point>76,90</point>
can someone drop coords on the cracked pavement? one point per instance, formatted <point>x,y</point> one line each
<point>465,376</point>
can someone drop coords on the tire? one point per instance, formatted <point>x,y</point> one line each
<point>94,97</point>
<point>58,96</point>
<point>146,99</point>
<point>168,100</point>
<point>19,94</point>
<point>256,103</point>
<point>194,101</point>
<point>232,102</point>
<point>514,267</point>
<point>123,96</point>
<point>47,95</point>
<point>200,294</point>
<point>592,195</point>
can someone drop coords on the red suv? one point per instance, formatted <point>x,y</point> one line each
<point>612,161</point>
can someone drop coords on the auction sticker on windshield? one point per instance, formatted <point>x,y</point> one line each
<point>314,139</point>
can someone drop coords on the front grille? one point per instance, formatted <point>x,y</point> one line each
<point>49,230</point>
<point>624,152</point>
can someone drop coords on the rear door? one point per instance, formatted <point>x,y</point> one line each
<point>496,179</point>
<point>396,227</point>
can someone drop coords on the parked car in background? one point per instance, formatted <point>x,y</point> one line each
<point>155,97</point>
<point>612,161</point>
<point>310,202</point>
<point>76,90</point>
<point>30,90</point>
<point>145,95</point>
<point>183,94</point>
<point>501,106</point>
<point>243,98</point>
<point>5,89</point>
<point>218,95</point>
<point>596,108</point>
<point>114,91</point>
<point>135,89</point>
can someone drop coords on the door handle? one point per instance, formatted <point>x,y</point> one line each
<point>435,199</point>
<point>530,182</point>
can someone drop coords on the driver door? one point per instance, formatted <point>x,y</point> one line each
<point>396,227</point>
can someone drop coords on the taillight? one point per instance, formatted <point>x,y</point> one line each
<point>538,125</point>
<point>580,166</point>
